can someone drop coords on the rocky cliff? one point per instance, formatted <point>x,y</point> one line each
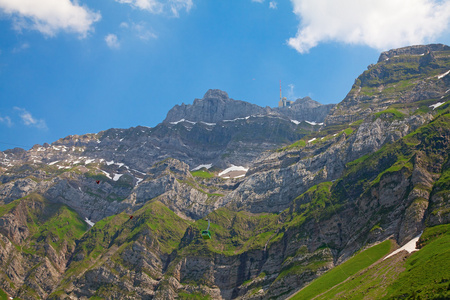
<point>216,106</point>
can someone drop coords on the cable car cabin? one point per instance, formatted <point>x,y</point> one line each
<point>206,235</point>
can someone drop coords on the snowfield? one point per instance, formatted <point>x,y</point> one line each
<point>89,222</point>
<point>207,166</point>
<point>233,168</point>
<point>443,75</point>
<point>434,106</point>
<point>409,246</point>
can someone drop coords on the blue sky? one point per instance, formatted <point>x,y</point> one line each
<point>75,67</point>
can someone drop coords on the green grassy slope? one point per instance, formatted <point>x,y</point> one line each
<point>425,274</point>
<point>343,271</point>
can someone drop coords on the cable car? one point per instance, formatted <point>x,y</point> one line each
<point>206,235</point>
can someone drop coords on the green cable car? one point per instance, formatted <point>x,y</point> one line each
<point>206,235</point>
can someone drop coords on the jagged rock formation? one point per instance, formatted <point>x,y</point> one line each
<point>216,106</point>
<point>379,169</point>
<point>401,76</point>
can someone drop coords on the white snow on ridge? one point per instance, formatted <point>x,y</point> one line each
<point>182,120</point>
<point>53,162</point>
<point>117,176</point>
<point>89,222</point>
<point>295,122</point>
<point>443,75</point>
<point>209,124</point>
<point>208,166</point>
<point>311,140</point>
<point>138,181</point>
<point>313,123</point>
<point>107,174</point>
<point>88,161</point>
<point>233,168</point>
<point>246,118</point>
<point>409,246</point>
<point>437,104</point>
<point>109,162</point>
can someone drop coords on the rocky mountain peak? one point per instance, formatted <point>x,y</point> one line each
<point>413,50</point>
<point>216,94</point>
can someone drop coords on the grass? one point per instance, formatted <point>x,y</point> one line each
<point>340,273</point>
<point>193,296</point>
<point>430,265</point>
<point>389,114</point>
<point>423,275</point>
<point>202,174</point>
<point>3,295</point>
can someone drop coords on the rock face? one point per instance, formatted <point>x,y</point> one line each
<point>305,109</point>
<point>401,76</point>
<point>313,195</point>
<point>216,106</point>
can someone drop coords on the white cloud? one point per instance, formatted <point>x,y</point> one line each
<point>380,24</point>
<point>50,16</point>
<point>157,7</point>
<point>22,47</point>
<point>6,120</point>
<point>112,41</point>
<point>142,32</point>
<point>259,1</point>
<point>273,5</point>
<point>177,5</point>
<point>290,93</point>
<point>29,120</point>
<point>150,5</point>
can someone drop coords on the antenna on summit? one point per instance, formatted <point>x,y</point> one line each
<point>280,90</point>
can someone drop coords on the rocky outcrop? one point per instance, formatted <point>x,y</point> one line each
<point>215,106</point>
<point>401,76</point>
<point>279,177</point>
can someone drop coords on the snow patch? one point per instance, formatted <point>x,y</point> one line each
<point>311,140</point>
<point>89,161</point>
<point>409,246</point>
<point>182,120</point>
<point>443,75</point>
<point>295,122</point>
<point>436,105</point>
<point>240,176</point>
<point>117,176</point>
<point>53,162</point>
<point>89,222</point>
<point>109,162</point>
<point>233,168</point>
<point>313,123</point>
<point>107,174</point>
<point>121,140</point>
<point>209,124</point>
<point>246,118</point>
<point>138,181</point>
<point>138,171</point>
<point>208,166</point>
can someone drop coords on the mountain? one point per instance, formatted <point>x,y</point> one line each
<point>319,203</point>
<point>406,77</point>
<point>216,106</point>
